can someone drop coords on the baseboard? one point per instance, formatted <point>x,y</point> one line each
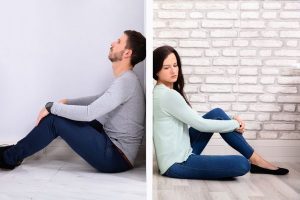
<point>272,150</point>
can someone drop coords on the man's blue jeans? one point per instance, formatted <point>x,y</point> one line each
<point>213,167</point>
<point>85,138</point>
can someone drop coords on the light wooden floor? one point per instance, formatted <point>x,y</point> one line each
<point>250,186</point>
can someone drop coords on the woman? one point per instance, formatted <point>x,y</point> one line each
<point>178,147</point>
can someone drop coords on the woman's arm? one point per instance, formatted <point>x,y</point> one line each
<point>173,103</point>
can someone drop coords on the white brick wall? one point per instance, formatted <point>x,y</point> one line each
<point>240,56</point>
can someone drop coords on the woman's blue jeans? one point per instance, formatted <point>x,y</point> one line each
<point>87,139</point>
<point>210,166</point>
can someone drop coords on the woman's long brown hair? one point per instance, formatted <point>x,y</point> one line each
<point>159,55</point>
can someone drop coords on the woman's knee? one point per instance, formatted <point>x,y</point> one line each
<point>218,110</point>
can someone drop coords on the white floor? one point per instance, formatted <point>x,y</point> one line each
<point>47,178</point>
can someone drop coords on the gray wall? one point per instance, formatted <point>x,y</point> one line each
<point>57,49</point>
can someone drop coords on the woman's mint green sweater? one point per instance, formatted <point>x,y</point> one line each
<point>171,117</point>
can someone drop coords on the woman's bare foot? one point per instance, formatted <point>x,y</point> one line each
<point>259,161</point>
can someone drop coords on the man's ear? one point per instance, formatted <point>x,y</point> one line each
<point>127,53</point>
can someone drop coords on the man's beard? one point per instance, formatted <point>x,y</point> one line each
<point>114,57</point>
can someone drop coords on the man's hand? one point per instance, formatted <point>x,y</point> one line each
<point>241,129</point>
<point>43,113</point>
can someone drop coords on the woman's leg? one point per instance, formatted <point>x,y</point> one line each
<point>209,167</point>
<point>95,147</point>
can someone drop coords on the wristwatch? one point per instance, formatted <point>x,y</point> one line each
<point>48,106</point>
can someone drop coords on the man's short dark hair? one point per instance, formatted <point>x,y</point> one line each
<point>137,43</point>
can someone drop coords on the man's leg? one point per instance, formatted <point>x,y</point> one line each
<point>93,146</point>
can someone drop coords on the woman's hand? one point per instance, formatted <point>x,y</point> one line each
<point>43,113</point>
<point>241,129</point>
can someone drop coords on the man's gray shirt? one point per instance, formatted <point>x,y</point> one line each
<point>121,110</point>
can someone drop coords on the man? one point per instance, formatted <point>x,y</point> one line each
<point>105,130</point>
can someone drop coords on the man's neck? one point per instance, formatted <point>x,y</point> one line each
<point>120,68</point>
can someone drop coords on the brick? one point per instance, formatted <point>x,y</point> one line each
<point>249,34</point>
<point>195,79</point>
<point>155,5</point>
<point>159,24</point>
<point>187,70</point>
<point>268,134</point>
<point>290,34</point>
<point>292,43</point>
<point>248,80</point>
<point>269,15</point>
<point>200,107</point>
<point>191,88</point>
<point>220,79</point>
<point>290,136</point>
<point>221,43</point>
<point>196,15</point>
<point>223,33</point>
<point>209,70</point>
<point>290,15</point>
<point>248,88</point>
<point>267,98</point>
<point>231,71</point>
<point>251,62</point>
<point>171,15</point>
<point>215,88</point>
<point>195,61</point>
<point>240,43</point>
<point>177,5</point>
<point>222,15</point>
<point>183,24</point>
<point>174,34</point>
<point>225,61</point>
<point>263,117</point>
<point>253,126</point>
<point>272,5</point>
<point>281,89</point>
<point>247,116</point>
<point>265,107</point>
<point>248,52</point>
<point>270,71</point>
<point>229,52</point>
<point>280,62</point>
<point>211,52</point>
<point>233,6</point>
<point>289,80</point>
<point>217,24</point>
<point>265,53</point>
<point>252,24</point>
<point>158,43</point>
<point>267,80</point>
<point>266,43</point>
<point>197,98</point>
<point>247,98</point>
<point>222,97</point>
<point>250,15</point>
<point>239,107</point>
<point>279,126</point>
<point>292,6</point>
<point>276,24</point>
<point>198,34</point>
<point>287,52</point>
<point>286,117</point>
<point>189,52</point>
<point>289,99</point>
<point>193,43</point>
<point>249,135</point>
<point>289,107</point>
<point>210,6</point>
<point>248,71</point>
<point>223,106</point>
<point>270,34</point>
<point>249,6</point>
